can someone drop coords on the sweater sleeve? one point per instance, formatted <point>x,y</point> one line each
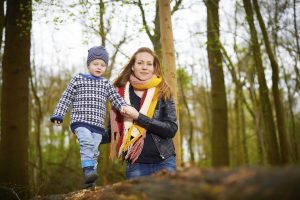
<point>114,97</point>
<point>65,101</point>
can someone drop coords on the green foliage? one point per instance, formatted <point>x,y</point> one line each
<point>184,78</point>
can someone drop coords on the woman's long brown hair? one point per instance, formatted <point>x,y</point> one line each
<point>125,73</point>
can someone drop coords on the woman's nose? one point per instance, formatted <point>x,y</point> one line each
<point>144,66</point>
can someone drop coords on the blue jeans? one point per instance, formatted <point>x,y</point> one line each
<point>89,143</point>
<point>136,170</point>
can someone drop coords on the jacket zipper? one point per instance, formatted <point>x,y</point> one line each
<point>160,154</point>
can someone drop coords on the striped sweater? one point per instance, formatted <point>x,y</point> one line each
<point>87,96</point>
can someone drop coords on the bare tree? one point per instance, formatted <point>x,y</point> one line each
<point>15,97</point>
<point>168,55</point>
<point>220,150</point>
<point>181,78</point>
<point>2,21</point>
<point>281,127</point>
<point>269,126</point>
<point>155,34</point>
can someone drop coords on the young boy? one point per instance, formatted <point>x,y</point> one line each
<point>87,95</point>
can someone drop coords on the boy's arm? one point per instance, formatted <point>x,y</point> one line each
<point>64,103</point>
<point>117,101</point>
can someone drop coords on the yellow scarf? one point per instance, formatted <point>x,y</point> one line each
<point>132,131</point>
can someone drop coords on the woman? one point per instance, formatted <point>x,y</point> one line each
<point>144,134</point>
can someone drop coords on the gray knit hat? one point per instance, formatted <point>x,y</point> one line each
<point>98,52</point>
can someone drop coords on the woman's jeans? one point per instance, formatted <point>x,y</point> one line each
<point>89,143</point>
<point>142,169</point>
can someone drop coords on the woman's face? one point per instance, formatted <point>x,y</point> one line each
<point>143,67</point>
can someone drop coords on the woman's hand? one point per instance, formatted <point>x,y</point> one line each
<point>131,112</point>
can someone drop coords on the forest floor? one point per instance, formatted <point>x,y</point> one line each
<point>200,184</point>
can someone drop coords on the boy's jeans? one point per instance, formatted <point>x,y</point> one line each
<point>141,169</point>
<point>89,143</point>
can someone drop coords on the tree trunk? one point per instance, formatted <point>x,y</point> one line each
<point>168,54</point>
<point>208,125</point>
<point>244,138</point>
<point>257,120</point>
<point>14,99</point>
<point>155,38</point>
<point>190,121</point>
<point>294,142</point>
<point>297,71</point>
<point>181,129</point>
<point>280,116</point>
<point>37,126</point>
<point>269,126</point>
<point>113,57</point>
<point>275,26</point>
<point>238,129</point>
<point>2,21</point>
<point>101,25</point>
<point>296,32</point>
<point>220,151</point>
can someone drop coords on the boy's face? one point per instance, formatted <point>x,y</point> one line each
<point>97,67</point>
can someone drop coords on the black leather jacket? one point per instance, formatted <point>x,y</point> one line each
<point>162,127</point>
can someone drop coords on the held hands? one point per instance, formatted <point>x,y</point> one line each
<point>130,112</point>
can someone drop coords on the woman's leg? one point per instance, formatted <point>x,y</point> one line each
<point>168,164</point>
<point>140,169</point>
<point>136,170</point>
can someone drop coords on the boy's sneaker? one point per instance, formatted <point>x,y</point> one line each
<point>90,175</point>
<point>90,186</point>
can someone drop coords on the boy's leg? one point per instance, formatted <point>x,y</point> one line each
<point>86,142</point>
<point>97,140</point>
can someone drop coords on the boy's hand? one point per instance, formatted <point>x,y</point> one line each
<point>57,123</point>
<point>124,109</point>
<point>130,112</point>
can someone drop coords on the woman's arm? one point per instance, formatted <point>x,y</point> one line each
<point>164,128</point>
